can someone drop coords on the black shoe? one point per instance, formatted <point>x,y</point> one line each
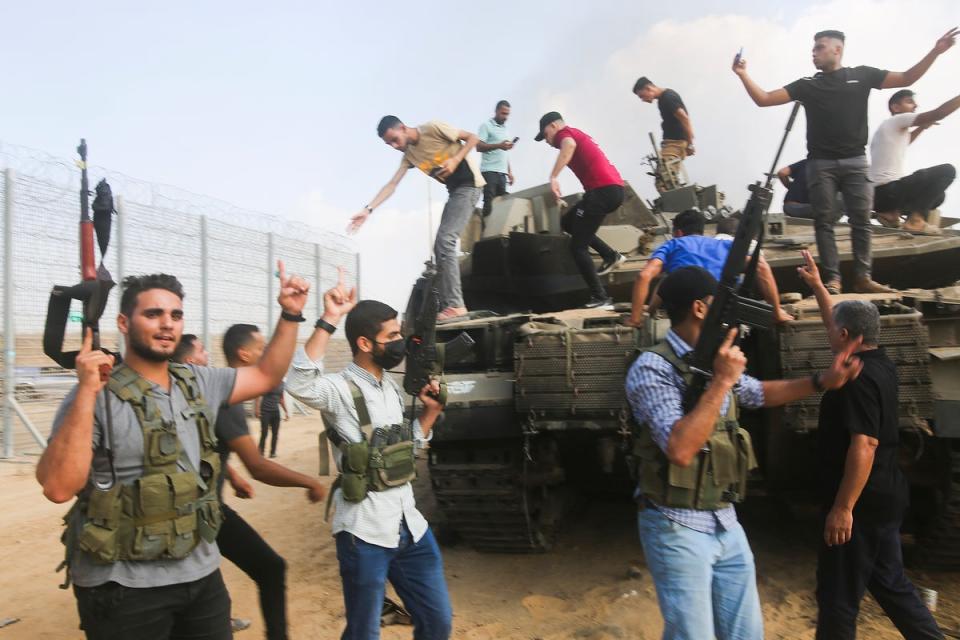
<point>273,455</point>
<point>607,267</point>
<point>599,303</point>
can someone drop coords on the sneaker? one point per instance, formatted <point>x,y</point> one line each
<point>834,287</point>
<point>239,624</point>
<point>273,455</point>
<point>451,313</point>
<point>600,303</point>
<point>607,267</point>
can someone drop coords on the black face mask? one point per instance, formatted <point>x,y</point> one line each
<point>392,353</point>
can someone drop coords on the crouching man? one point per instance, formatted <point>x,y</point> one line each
<point>379,532</point>
<point>694,467</point>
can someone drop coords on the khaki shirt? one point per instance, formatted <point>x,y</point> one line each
<point>438,143</point>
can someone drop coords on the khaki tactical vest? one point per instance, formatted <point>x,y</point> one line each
<point>382,460</point>
<point>718,475</point>
<point>167,511</point>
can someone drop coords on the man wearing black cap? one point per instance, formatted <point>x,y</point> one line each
<point>677,142</point>
<point>603,193</point>
<point>921,191</point>
<point>835,101</point>
<point>697,552</point>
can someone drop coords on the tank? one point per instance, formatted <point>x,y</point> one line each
<point>537,421</point>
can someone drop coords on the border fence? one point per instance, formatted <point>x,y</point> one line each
<point>225,256</point>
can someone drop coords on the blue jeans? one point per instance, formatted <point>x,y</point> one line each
<point>706,583</point>
<point>415,570</point>
<point>456,215</point>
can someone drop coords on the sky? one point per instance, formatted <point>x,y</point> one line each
<point>273,106</point>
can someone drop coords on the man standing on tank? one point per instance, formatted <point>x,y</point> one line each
<point>603,194</point>
<point>494,144</point>
<point>835,101</point>
<point>677,142</point>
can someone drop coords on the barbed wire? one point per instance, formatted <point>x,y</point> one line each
<point>63,176</point>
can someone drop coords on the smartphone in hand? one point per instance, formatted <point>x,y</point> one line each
<point>736,58</point>
<point>515,139</point>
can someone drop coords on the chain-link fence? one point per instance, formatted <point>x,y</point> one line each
<point>224,256</point>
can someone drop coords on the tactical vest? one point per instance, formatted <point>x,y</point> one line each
<point>382,460</point>
<point>164,513</point>
<point>716,478</point>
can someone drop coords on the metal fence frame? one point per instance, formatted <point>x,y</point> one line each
<point>13,413</point>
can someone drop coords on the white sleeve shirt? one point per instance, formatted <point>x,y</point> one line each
<point>888,149</point>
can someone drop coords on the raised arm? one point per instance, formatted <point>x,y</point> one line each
<point>810,274</point>
<point>64,467</point>
<point>928,118</point>
<point>357,220</point>
<point>896,79</point>
<point>258,379</point>
<point>759,96</point>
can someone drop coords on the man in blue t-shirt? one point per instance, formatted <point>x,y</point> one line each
<point>494,144</point>
<point>689,247</point>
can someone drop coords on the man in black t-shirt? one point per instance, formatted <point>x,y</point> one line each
<point>243,345</point>
<point>677,141</point>
<point>862,491</point>
<point>267,409</point>
<point>835,101</point>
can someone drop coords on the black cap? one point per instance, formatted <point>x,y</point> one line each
<point>546,119</point>
<point>686,284</point>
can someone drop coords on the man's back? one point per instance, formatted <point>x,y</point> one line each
<point>589,162</point>
<point>888,149</point>
<point>693,250</point>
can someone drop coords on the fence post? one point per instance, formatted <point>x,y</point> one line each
<point>357,285</point>
<point>9,338</point>
<point>121,247</point>
<point>317,273</point>
<point>205,282</point>
<point>271,261</point>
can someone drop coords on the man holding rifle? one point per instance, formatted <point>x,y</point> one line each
<point>151,570</point>
<point>380,534</point>
<point>694,465</point>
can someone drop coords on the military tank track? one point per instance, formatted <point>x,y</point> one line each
<point>495,497</point>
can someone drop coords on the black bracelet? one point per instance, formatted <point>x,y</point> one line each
<point>326,326</point>
<point>289,317</point>
<point>815,381</point>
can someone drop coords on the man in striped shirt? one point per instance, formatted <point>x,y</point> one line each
<point>383,536</point>
<point>700,560</point>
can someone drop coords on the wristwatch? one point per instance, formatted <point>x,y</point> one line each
<point>326,326</point>
<point>289,317</point>
<point>368,208</point>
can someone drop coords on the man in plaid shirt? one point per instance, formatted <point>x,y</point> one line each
<point>700,560</point>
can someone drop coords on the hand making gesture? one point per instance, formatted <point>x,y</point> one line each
<point>293,291</point>
<point>947,40</point>
<point>338,301</point>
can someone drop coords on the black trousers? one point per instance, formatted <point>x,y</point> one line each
<point>871,560</point>
<point>242,545</point>
<point>496,186</point>
<point>198,610</point>
<point>920,191</point>
<point>581,222</point>
<point>269,422</point>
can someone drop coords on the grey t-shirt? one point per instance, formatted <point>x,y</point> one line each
<point>216,385</point>
<point>231,424</point>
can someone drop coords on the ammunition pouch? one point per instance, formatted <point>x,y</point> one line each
<point>166,512</point>
<point>384,459</point>
<point>718,475</point>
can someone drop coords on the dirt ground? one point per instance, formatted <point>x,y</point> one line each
<point>580,591</point>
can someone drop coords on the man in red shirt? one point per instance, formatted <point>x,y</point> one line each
<point>603,193</point>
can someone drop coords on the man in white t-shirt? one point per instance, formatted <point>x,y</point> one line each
<point>895,193</point>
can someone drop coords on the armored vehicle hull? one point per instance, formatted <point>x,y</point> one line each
<point>537,418</point>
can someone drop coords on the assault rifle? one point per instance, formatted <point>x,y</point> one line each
<point>93,290</point>
<point>426,357</point>
<point>731,307</point>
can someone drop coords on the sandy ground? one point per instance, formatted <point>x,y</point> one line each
<point>580,591</point>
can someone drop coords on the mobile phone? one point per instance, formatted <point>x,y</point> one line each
<point>515,139</point>
<point>736,58</point>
